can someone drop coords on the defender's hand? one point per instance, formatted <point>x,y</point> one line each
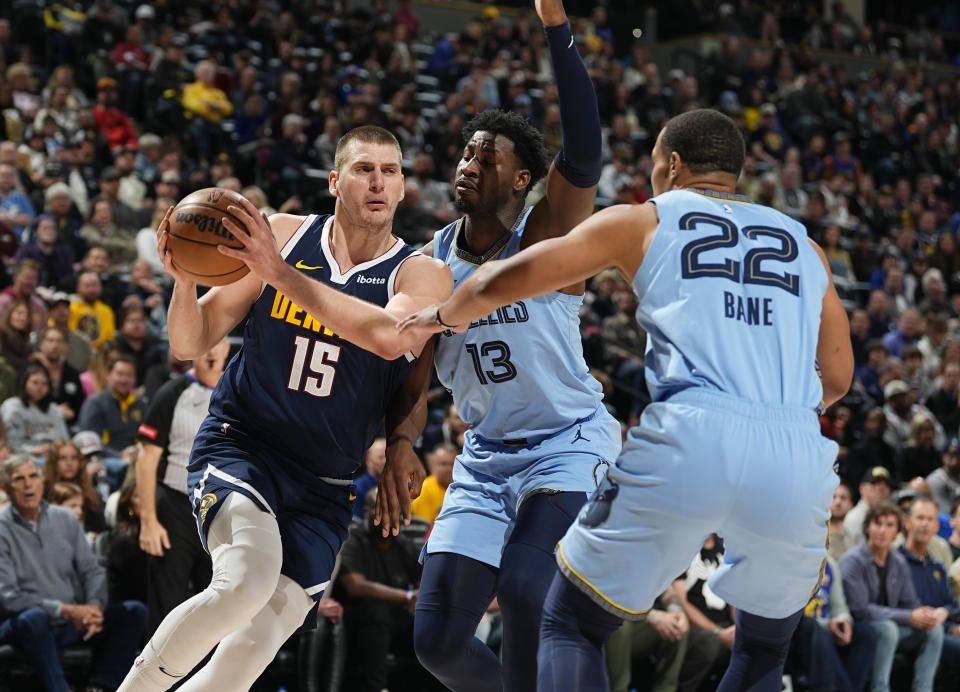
<point>401,481</point>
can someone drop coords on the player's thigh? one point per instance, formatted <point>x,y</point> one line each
<point>478,511</point>
<point>456,583</point>
<point>642,526</point>
<point>776,535</point>
<point>310,546</point>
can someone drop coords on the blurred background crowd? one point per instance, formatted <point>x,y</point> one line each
<point>110,111</point>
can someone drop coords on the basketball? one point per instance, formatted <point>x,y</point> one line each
<point>196,228</point>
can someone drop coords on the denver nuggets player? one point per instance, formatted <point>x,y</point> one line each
<point>294,411</point>
<point>539,435</point>
<point>738,305</point>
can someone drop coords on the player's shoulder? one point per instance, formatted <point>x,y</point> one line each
<point>420,268</point>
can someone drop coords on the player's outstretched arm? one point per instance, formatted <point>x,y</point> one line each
<point>573,175</point>
<point>421,281</point>
<point>402,477</point>
<point>615,237</point>
<point>834,352</point>
<point>195,326</point>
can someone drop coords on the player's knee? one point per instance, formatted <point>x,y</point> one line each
<point>247,595</point>
<point>435,645</point>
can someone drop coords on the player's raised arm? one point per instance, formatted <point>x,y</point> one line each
<point>573,176</point>
<point>834,352</point>
<point>615,237</point>
<point>421,281</point>
<point>197,325</point>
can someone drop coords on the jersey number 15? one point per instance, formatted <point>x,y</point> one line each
<point>320,382</point>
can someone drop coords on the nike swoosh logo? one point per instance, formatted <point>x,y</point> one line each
<point>571,42</point>
<point>172,675</point>
<point>301,265</point>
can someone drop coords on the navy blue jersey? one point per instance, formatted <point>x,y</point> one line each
<point>297,388</point>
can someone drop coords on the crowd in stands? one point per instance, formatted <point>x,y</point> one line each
<point>110,111</point>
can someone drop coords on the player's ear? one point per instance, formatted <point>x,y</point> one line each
<point>521,180</point>
<point>332,183</point>
<point>676,163</point>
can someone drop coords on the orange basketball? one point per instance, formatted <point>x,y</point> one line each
<point>196,228</point>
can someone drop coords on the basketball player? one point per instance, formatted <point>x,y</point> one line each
<point>539,435</point>
<point>271,468</point>
<point>738,305</point>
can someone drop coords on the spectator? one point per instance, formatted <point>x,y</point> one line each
<point>112,122</point>
<point>374,460</point>
<point>115,187</point>
<point>88,314</point>
<point>827,628</point>
<point>943,402</point>
<point>55,261</point>
<point>16,212</point>
<point>15,335</point>
<point>25,278</point>
<point>135,340</point>
<point>840,505</point>
<point>662,635</point>
<point>920,457</point>
<point>440,463</point>
<point>79,350</point>
<point>209,107</point>
<point>32,420</point>
<point>929,574</point>
<point>52,589</point>
<point>65,463</point>
<point>908,331</point>
<point>102,230</point>
<point>901,409</point>
<point>379,581</point>
<point>70,495</point>
<point>880,594</point>
<point>875,487</point>
<point>65,388</point>
<point>868,374</point>
<point>126,563</point>
<point>944,482</point>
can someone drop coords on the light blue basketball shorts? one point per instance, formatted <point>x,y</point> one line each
<point>492,479</point>
<point>759,475</point>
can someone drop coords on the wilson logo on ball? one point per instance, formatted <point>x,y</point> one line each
<point>204,223</point>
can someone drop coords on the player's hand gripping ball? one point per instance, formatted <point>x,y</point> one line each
<point>196,228</point>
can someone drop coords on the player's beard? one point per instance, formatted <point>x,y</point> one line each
<point>464,205</point>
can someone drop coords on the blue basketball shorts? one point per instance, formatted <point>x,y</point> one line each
<point>491,479</point>
<point>313,517</point>
<point>759,475</point>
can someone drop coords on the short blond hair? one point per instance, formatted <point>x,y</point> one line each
<point>366,134</point>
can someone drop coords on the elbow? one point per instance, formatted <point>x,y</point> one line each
<point>835,389</point>
<point>389,346</point>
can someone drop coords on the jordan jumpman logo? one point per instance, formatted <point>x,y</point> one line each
<point>579,436</point>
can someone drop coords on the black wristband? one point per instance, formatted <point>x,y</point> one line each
<point>441,322</point>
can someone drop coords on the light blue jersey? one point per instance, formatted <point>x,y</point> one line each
<point>730,295</point>
<point>537,423</point>
<point>518,372</point>
<point>740,321</point>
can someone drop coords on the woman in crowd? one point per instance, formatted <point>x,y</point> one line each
<point>32,420</point>
<point>15,335</point>
<point>66,464</point>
